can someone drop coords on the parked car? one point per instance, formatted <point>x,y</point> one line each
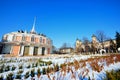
<point>119,49</point>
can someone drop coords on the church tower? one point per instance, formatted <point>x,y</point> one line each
<point>78,45</point>
<point>94,39</point>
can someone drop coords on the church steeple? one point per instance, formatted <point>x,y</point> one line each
<point>33,28</point>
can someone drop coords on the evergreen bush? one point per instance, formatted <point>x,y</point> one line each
<point>10,76</point>
<point>1,69</point>
<point>20,67</point>
<point>113,75</point>
<point>48,70</point>
<point>18,76</point>
<point>27,75</point>
<point>56,67</point>
<point>1,77</point>
<point>44,71</point>
<point>38,71</point>
<point>13,68</point>
<point>28,66</point>
<point>49,62</point>
<point>32,72</point>
<point>7,68</point>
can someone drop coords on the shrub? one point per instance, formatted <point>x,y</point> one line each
<point>32,72</point>
<point>1,77</point>
<point>41,64</point>
<point>95,66</point>
<point>20,67</point>
<point>113,75</point>
<point>63,67</point>
<point>38,71</point>
<point>110,76</point>
<point>7,68</point>
<point>1,69</point>
<point>48,70</point>
<point>44,71</point>
<point>36,64</point>
<point>13,68</point>
<point>18,76</point>
<point>40,61</point>
<point>76,64</point>
<point>49,62</point>
<point>33,65</point>
<point>28,66</point>
<point>51,69</point>
<point>56,67</point>
<point>20,72</point>
<point>10,76</point>
<point>27,75</point>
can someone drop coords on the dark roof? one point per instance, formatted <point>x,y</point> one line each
<point>93,35</point>
<point>66,48</point>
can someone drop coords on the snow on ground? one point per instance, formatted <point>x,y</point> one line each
<point>75,67</point>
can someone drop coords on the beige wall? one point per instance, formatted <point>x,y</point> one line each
<point>28,39</point>
<point>18,38</point>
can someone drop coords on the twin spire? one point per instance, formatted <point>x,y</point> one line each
<point>33,28</point>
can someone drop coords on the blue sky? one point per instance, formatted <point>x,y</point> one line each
<point>61,20</point>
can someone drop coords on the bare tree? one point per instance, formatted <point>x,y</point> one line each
<point>65,45</point>
<point>54,49</point>
<point>101,37</point>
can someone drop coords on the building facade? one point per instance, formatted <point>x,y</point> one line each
<point>66,50</point>
<point>94,45</point>
<point>23,43</point>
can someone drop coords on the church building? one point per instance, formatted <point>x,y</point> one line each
<point>22,43</point>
